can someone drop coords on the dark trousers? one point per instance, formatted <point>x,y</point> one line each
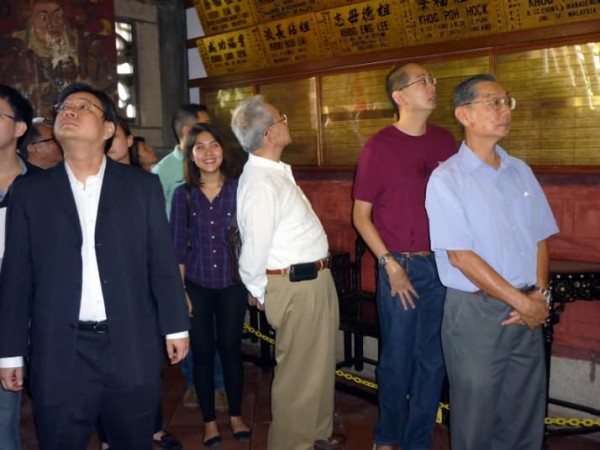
<point>127,411</point>
<point>410,372</point>
<point>224,309</point>
<point>497,376</point>
<point>158,424</point>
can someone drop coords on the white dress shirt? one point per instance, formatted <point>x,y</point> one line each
<point>277,223</point>
<point>87,198</point>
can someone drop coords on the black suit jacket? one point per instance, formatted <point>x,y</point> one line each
<point>40,282</point>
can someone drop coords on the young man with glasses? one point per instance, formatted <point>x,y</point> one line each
<point>15,127</point>
<point>389,213</point>
<point>490,222</point>
<point>90,290</point>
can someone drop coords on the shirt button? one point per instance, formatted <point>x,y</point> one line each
<point>215,266</point>
<point>210,208</point>
<point>212,222</point>
<point>214,251</point>
<point>212,237</point>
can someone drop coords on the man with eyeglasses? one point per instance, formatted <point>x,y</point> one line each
<point>389,213</point>
<point>490,222</point>
<point>43,151</point>
<point>90,289</point>
<point>285,266</point>
<point>15,127</point>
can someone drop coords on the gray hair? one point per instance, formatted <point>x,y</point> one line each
<point>465,91</point>
<point>249,122</point>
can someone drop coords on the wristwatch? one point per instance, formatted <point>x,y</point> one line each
<point>383,259</point>
<point>546,293</point>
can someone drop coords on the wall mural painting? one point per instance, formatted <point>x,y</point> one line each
<point>45,45</point>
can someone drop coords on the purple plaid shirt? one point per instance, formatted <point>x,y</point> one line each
<point>207,262</point>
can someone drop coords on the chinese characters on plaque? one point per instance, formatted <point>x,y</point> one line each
<point>246,35</point>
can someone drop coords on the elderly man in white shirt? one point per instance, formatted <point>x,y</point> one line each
<point>285,266</point>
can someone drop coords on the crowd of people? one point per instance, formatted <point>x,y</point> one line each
<point>107,268</point>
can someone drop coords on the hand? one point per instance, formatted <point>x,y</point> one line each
<point>400,284</point>
<point>12,378</point>
<point>253,301</point>
<point>533,314</point>
<point>177,349</point>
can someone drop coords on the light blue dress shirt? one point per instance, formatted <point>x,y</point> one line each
<point>499,214</point>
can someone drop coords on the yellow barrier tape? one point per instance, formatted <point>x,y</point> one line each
<point>558,421</point>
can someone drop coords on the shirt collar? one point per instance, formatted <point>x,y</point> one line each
<point>472,162</point>
<point>23,172</point>
<point>92,179</point>
<point>259,161</point>
<point>178,153</point>
<point>23,166</point>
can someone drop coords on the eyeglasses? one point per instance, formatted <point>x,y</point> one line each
<point>82,106</point>
<point>497,103</point>
<point>283,119</point>
<point>13,118</point>
<point>423,80</point>
<point>41,141</point>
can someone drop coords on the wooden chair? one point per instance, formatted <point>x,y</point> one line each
<point>358,314</point>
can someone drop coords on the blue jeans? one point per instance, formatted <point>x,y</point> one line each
<point>187,369</point>
<point>411,368</point>
<point>10,408</point>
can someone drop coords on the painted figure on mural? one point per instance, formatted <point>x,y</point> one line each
<point>59,42</point>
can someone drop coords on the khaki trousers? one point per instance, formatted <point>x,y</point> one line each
<point>305,316</point>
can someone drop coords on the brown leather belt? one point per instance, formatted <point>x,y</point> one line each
<point>524,290</point>
<point>320,264</point>
<point>421,253</point>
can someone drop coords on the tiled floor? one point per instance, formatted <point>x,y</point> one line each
<point>354,417</point>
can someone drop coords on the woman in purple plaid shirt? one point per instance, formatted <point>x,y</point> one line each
<point>201,211</point>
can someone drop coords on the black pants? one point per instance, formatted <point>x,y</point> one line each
<point>158,424</point>
<point>226,309</point>
<point>127,411</point>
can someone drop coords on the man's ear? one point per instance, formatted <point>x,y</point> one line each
<point>462,115</point>
<point>185,129</point>
<point>109,130</point>
<point>20,129</point>
<point>397,96</point>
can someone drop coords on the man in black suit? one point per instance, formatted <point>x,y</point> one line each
<point>89,287</point>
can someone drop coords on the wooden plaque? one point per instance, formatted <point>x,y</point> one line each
<point>237,51</point>
<point>364,27</point>
<point>523,14</point>
<point>293,40</point>
<point>218,16</point>
<point>449,20</point>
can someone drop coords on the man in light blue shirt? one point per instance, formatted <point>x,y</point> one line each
<point>489,223</point>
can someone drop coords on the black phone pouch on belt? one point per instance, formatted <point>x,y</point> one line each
<point>304,271</point>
